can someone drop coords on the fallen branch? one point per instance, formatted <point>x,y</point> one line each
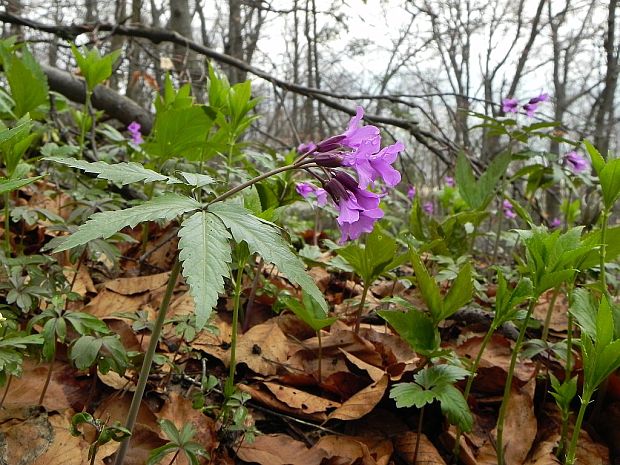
<point>70,32</point>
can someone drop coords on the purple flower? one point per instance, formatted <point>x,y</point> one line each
<point>358,208</point>
<point>305,190</point>
<point>356,135</point>
<point>532,105</point>
<point>449,181</point>
<point>134,130</point>
<point>428,208</point>
<point>575,162</point>
<point>411,192</point>
<point>556,223</point>
<point>510,105</point>
<point>508,210</point>
<point>371,165</point>
<point>543,97</point>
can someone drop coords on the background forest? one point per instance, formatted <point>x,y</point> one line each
<point>309,232</point>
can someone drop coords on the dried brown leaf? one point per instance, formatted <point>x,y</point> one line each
<point>263,348</point>
<point>137,285</point>
<point>405,445</point>
<point>361,403</point>
<point>301,400</point>
<point>279,449</point>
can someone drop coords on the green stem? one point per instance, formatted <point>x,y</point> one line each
<point>417,439</point>
<point>470,382</point>
<point>554,297</point>
<point>47,380</point>
<point>298,164</point>
<point>318,335</point>
<point>148,361</point>
<point>230,382</point>
<point>572,448</point>
<point>6,390</point>
<point>7,224</point>
<point>85,114</point>
<point>499,446</point>
<point>604,219</point>
<point>358,314</point>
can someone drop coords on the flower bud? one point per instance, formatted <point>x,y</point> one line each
<point>336,190</point>
<point>347,181</point>
<point>329,160</point>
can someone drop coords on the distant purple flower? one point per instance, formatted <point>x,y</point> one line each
<point>411,192</point>
<point>575,162</point>
<point>449,181</point>
<point>428,208</point>
<point>556,223</point>
<point>543,97</point>
<point>510,105</point>
<point>305,190</point>
<point>508,210</point>
<point>134,130</point>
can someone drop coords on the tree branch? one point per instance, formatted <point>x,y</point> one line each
<point>442,148</point>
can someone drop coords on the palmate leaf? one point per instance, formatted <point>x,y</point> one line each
<point>205,253</point>
<point>411,395</point>
<point>104,224</point>
<point>119,173</point>
<point>262,238</point>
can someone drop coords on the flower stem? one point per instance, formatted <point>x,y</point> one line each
<point>298,164</point>
<point>318,335</point>
<point>499,446</point>
<point>148,361</point>
<point>572,448</point>
<point>6,390</point>
<point>7,224</point>
<point>358,314</point>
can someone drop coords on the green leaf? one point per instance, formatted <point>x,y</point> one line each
<point>308,311</point>
<point>158,454</point>
<point>459,294</point>
<point>427,285</point>
<point>206,255</point>
<point>9,185</point>
<point>411,395</point>
<point>609,177</point>
<point>104,224</point>
<point>94,67</point>
<point>414,327</point>
<point>262,238</point>
<point>373,259</point>
<point>84,352</point>
<point>28,84</point>
<point>478,194</point>
<point>438,375</point>
<point>119,173</point>
<point>598,162</point>
<point>454,406</point>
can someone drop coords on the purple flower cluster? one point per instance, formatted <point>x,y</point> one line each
<point>508,210</point>
<point>575,162</point>
<point>134,130</point>
<point>358,148</point>
<point>411,192</point>
<point>511,105</point>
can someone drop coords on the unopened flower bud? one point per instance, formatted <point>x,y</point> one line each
<point>347,181</point>
<point>329,160</point>
<point>336,190</point>
<point>330,144</point>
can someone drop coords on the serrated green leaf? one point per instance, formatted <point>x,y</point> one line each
<point>411,395</point>
<point>598,162</point>
<point>104,224</point>
<point>438,375</point>
<point>206,254</point>
<point>28,83</point>
<point>454,406</point>
<point>414,327</point>
<point>262,238</point>
<point>119,173</point>
<point>9,185</point>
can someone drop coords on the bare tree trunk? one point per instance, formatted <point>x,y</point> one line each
<point>234,45</point>
<point>603,121</point>
<point>91,13</point>
<point>187,63</point>
<point>133,54</point>
<point>118,41</point>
